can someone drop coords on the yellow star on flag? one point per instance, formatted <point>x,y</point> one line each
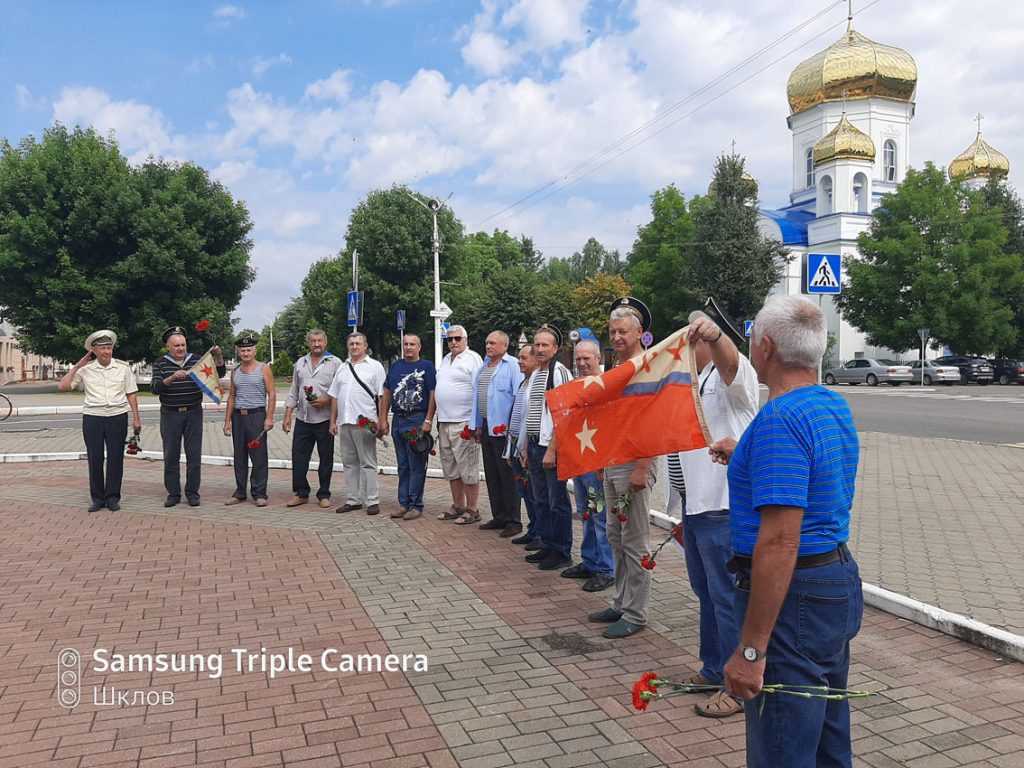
<point>593,380</point>
<point>586,438</point>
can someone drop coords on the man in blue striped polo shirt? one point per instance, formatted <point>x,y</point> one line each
<point>798,590</point>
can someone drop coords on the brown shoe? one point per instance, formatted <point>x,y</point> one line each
<point>412,514</point>
<point>700,680</point>
<point>297,501</point>
<point>719,705</point>
<point>400,512</point>
<point>261,502</point>
<point>232,501</point>
<point>325,503</point>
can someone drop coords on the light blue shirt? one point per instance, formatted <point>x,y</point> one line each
<point>501,394</point>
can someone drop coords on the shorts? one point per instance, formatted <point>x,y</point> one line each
<point>460,459</point>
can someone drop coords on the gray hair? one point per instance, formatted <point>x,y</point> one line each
<point>588,343</point>
<point>623,313</point>
<point>315,332</point>
<point>458,330</point>
<point>502,336</point>
<point>796,326</point>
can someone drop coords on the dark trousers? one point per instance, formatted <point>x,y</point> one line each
<point>244,429</point>
<point>501,481</point>
<point>306,436</point>
<point>107,432</point>
<point>175,428</point>
<point>551,501</point>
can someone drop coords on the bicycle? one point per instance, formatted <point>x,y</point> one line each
<point>5,406</point>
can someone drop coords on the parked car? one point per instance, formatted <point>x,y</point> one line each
<point>976,369</point>
<point>939,374</point>
<point>1008,371</point>
<point>870,372</point>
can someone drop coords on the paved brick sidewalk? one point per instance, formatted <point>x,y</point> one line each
<point>936,520</point>
<point>516,677</point>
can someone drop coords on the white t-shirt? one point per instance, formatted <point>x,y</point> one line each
<point>454,393</point>
<point>353,400</point>
<point>728,411</point>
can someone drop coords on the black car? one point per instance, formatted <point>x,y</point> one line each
<point>976,369</point>
<point>1008,371</point>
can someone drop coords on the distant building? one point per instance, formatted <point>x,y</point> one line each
<point>17,365</point>
<point>850,111</point>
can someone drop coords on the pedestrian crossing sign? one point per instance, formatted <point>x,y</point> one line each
<point>353,308</point>
<point>823,273</point>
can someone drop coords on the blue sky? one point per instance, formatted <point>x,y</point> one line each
<point>301,108</point>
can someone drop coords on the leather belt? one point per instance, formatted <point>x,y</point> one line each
<point>182,409</point>
<point>742,563</point>
<point>247,411</point>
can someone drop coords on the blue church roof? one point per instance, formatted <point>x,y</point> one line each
<point>793,223</point>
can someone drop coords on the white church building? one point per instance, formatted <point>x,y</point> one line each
<point>850,111</point>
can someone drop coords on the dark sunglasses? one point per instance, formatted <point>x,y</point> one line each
<point>454,338</point>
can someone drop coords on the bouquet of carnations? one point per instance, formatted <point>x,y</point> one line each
<point>133,443</point>
<point>365,422</point>
<point>310,395</point>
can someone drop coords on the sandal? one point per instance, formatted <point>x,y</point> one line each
<point>452,513</point>
<point>469,517</point>
<point>718,705</point>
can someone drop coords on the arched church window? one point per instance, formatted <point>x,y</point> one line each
<point>825,196</point>
<point>889,160</point>
<point>860,192</point>
<point>809,165</point>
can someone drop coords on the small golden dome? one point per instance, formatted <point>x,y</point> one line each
<point>856,66</point>
<point>980,160</point>
<point>844,142</point>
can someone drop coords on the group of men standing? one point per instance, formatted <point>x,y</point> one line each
<point>767,509</point>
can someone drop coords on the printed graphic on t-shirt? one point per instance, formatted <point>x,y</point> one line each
<point>410,394</point>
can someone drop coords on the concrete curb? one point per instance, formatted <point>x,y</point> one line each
<point>999,641</point>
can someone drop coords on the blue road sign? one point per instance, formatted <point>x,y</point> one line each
<point>444,330</point>
<point>823,272</point>
<point>400,321</point>
<point>748,326</point>
<point>353,308</point>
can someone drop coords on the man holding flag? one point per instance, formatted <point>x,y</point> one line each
<point>181,411</point>
<point>644,407</point>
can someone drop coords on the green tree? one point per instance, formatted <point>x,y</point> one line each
<point>593,299</point>
<point>935,257</point>
<point>283,364</point>
<point>998,194</point>
<point>732,260</point>
<point>88,242</point>
<point>291,327</point>
<point>659,264</point>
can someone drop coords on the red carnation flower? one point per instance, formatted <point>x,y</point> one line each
<point>412,443</point>
<point>253,444</point>
<point>645,685</point>
<point>433,453</point>
<point>623,518</point>
<point>500,429</point>
<point>466,433</point>
<point>585,516</point>
<point>203,325</point>
<point>647,562</point>
<point>362,421</point>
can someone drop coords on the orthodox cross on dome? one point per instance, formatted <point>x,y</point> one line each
<point>979,117</point>
<point>846,95</point>
<point>734,147</point>
<point>849,15</point>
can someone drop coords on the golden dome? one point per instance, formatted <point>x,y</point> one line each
<point>844,142</point>
<point>980,160</point>
<point>856,66</point>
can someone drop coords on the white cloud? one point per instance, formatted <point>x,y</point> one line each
<point>229,12</point>
<point>24,99</point>
<point>488,53</point>
<point>141,130</point>
<point>337,87</point>
<point>261,65</point>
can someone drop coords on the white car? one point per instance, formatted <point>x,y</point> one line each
<point>938,374</point>
<point>866,371</point>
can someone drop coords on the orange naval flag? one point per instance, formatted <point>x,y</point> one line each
<point>646,407</point>
<point>204,373</point>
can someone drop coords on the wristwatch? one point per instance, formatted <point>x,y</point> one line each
<point>750,653</point>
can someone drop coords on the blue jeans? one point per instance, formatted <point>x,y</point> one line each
<point>706,548</point>
<point>526,494</point>
<point>810,645</point>
<point>594,551</point>
<point>412,466</point>
<point>551,497</point>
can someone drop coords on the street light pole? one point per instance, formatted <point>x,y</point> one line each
<point>271,333</point>
<point>433,206</point>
